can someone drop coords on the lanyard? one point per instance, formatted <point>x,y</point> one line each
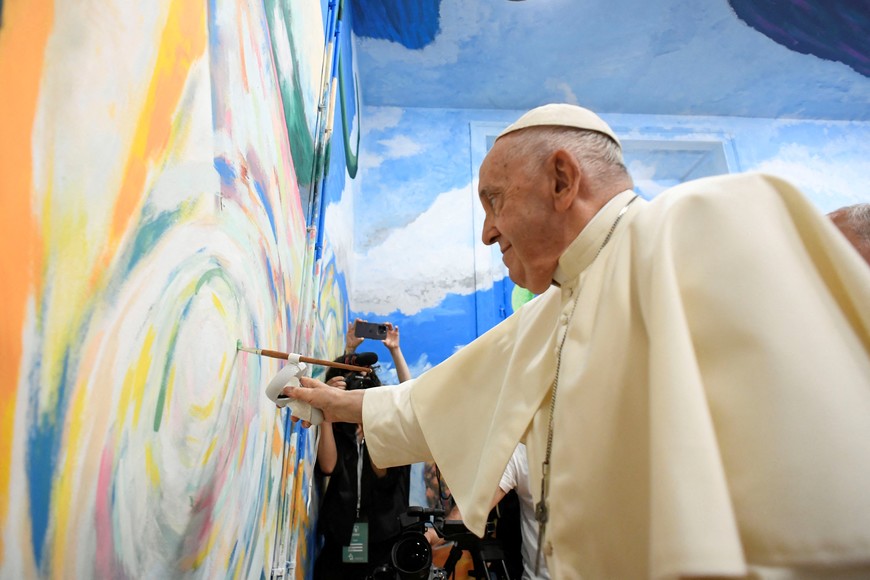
<point>360,446</point>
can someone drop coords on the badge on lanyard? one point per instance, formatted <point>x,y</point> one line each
<point>358,550</point>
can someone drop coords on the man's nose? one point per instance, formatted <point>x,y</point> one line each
<point>490,233</point>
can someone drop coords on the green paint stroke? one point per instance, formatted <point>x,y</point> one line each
<point>298,132</point>
<point>351,152</point>
<point>150,229</point>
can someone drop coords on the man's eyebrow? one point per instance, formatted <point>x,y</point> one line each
<point>486,191</point>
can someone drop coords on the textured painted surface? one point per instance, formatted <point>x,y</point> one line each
<point>678,57</point>
<point>411,23</point>
<point>151,217</point>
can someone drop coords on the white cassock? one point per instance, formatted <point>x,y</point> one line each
<point>713,409</point>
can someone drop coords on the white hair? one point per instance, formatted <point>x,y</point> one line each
<point>857,219</point>
<point>598,155</point>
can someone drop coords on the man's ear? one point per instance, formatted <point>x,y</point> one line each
<point>567,177</point>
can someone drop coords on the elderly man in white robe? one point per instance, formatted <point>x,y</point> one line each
<point>692,383</point>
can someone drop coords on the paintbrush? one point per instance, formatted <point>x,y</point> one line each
<point>299,358</point>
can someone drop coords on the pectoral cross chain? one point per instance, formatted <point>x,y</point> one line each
<point>542,512</point>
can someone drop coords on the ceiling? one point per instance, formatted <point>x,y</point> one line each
<point>803,59</point>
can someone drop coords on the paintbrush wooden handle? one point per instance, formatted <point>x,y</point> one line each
<point>314,361</point>
<point>329,363</point>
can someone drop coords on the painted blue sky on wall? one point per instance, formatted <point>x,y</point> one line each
<point>416,251</point>
<point>752,58</point>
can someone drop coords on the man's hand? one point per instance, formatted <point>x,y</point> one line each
<point>351,340</point>
<point>337,405</point>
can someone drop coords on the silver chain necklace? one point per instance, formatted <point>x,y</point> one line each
<point>542,510</point>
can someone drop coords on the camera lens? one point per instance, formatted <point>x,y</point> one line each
<point>412,556</point>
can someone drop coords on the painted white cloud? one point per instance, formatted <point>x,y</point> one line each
<point>560,87</point>
<point>381,118</point>
<point>830,177</point>
<point>388,375</point>
<point>338,228</point>
<point>416,266</point>
<point>401,146</point>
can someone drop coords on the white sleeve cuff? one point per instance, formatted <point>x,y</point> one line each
<point>392,433</point>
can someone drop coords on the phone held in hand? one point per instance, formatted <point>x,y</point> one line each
<point>374,330</point>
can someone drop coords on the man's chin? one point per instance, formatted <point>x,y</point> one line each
<point>530,285</point>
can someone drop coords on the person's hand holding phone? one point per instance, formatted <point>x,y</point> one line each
<point>351,340</point>
<point>392,340</point>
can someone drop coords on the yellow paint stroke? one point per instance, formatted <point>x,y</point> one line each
<point>217,304</point>
<point>208,453</point>
<point>23,39</point>
<point>170,384</point>
<point>183,41</point>
<point>240,454</point>
<point>223,365</point>
<point>135,380</point>
<point>151,467</point>
<point>202,411</point>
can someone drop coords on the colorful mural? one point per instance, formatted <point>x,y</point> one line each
<point>150,217</point>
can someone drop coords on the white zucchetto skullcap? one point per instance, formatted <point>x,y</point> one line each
<point>562,115</point>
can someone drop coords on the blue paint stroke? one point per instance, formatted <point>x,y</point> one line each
<point>412,23</point>
<point>261,193</point>
<point>225,170</point>
<point>41,458</point>
<point>829,29</point>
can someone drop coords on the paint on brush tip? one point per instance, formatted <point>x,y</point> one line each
<point>239,344</point>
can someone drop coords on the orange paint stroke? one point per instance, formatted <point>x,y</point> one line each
<point>23,39</point>
<point>182,42</point>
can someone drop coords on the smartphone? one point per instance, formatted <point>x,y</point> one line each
<point>374,330</point>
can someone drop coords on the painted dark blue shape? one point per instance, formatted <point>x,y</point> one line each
<point>41,460</point>
<point>412,23</point>
<point>829,29</point>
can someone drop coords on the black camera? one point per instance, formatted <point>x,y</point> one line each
<point>360,381</point>
<point>411,556</point>
<point>357,380</point>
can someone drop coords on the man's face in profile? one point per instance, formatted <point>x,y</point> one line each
<point>840,220</point>
<point>519,216</point>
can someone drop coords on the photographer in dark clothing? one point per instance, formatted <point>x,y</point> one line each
<point>359,516</point>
